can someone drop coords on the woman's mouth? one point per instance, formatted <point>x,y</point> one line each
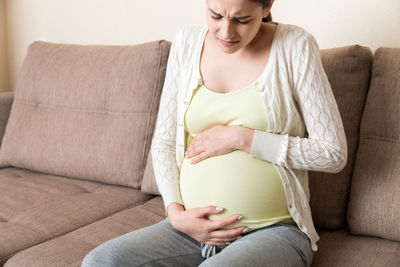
<point>228,43</point>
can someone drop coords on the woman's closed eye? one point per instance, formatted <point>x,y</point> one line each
<point>237,20</point>
<point>242,22</point>
<point>216,18</point>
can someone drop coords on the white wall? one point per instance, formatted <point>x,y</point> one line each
<point>336,23</point>
<point>333,22</point>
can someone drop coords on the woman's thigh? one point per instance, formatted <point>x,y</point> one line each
<point>277,245</point>
<point>155,245</point>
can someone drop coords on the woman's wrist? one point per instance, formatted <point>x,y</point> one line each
<point>244,138</point>
<point>174,208</point>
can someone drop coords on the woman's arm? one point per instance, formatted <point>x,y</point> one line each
<point>325,148</point>
<point>165,168</point>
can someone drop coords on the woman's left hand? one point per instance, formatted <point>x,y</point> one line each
<point>217,140</point>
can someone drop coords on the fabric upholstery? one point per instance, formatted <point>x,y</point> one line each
<point>85,111</point>
<point>6,100</point>
<point>374,204</point>
<point>36,207</point>
<point>336,248</point>
<point>149,184</point>
<point>71,248</point>
<point>339,248</point>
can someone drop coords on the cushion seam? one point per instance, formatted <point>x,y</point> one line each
<point>46,106</point>
<point>379,138</point>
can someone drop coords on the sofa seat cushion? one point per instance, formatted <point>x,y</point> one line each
<point>86,111</point>
<point>36,207</point>
<point>340,248</point>
<point>335,248</point>
<point>71,248</point>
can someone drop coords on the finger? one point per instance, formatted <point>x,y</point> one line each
<point>224,240</point>
<point>221,223</point>
<point>192,150</point>
<point>208,210</point>
<point>231,233</point>
<point>211,243</point>
<point>199,158</point>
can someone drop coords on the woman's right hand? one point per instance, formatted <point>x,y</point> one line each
<point>195,223</point>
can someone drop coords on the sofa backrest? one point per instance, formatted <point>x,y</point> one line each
<point>86,111</point>
<point>348,70</point>
<point>6,99</point>
<point>374,204</point>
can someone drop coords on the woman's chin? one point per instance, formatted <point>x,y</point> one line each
<point>229,49</point>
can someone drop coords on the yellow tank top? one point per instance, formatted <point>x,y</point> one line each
<point>236,181</point>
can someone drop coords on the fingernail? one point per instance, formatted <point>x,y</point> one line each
<point>245,230</point>
<point>219,208</point>
<point>240,217</point>
<point>227,243</point>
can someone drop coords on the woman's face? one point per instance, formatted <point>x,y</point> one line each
<point>234,24</point>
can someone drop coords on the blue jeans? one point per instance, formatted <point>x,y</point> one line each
<point>160,244</point>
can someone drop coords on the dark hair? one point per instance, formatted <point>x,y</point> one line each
<point>265,4</point>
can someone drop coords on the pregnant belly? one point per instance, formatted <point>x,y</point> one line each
<point>240,184</point>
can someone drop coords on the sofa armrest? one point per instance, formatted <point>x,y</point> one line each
<point>6,99</point>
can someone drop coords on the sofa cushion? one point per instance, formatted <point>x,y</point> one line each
<point>335,248</point>
<point>149,184</point>
<point>36,207</point>
<point>71,248</point>
<point>6,100</point>
<point>374,204</point>
<point>348,70</point>
<point>86,111</point>
<point>339,248</point>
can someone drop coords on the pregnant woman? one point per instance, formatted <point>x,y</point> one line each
<point>246,110</point>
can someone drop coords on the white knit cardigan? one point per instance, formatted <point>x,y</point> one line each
<point>297,97</point>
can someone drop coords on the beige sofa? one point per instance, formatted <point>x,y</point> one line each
<point>75,167</point>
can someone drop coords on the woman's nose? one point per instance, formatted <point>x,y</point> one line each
<point>227,30</point>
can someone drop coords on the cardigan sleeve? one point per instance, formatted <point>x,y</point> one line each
<point>163,149</point>
<point>325,148</point>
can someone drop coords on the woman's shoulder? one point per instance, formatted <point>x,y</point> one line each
<point>187,41</point>
<point>294,33</point>
<point>297,40</point>
<point>190,34</point>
